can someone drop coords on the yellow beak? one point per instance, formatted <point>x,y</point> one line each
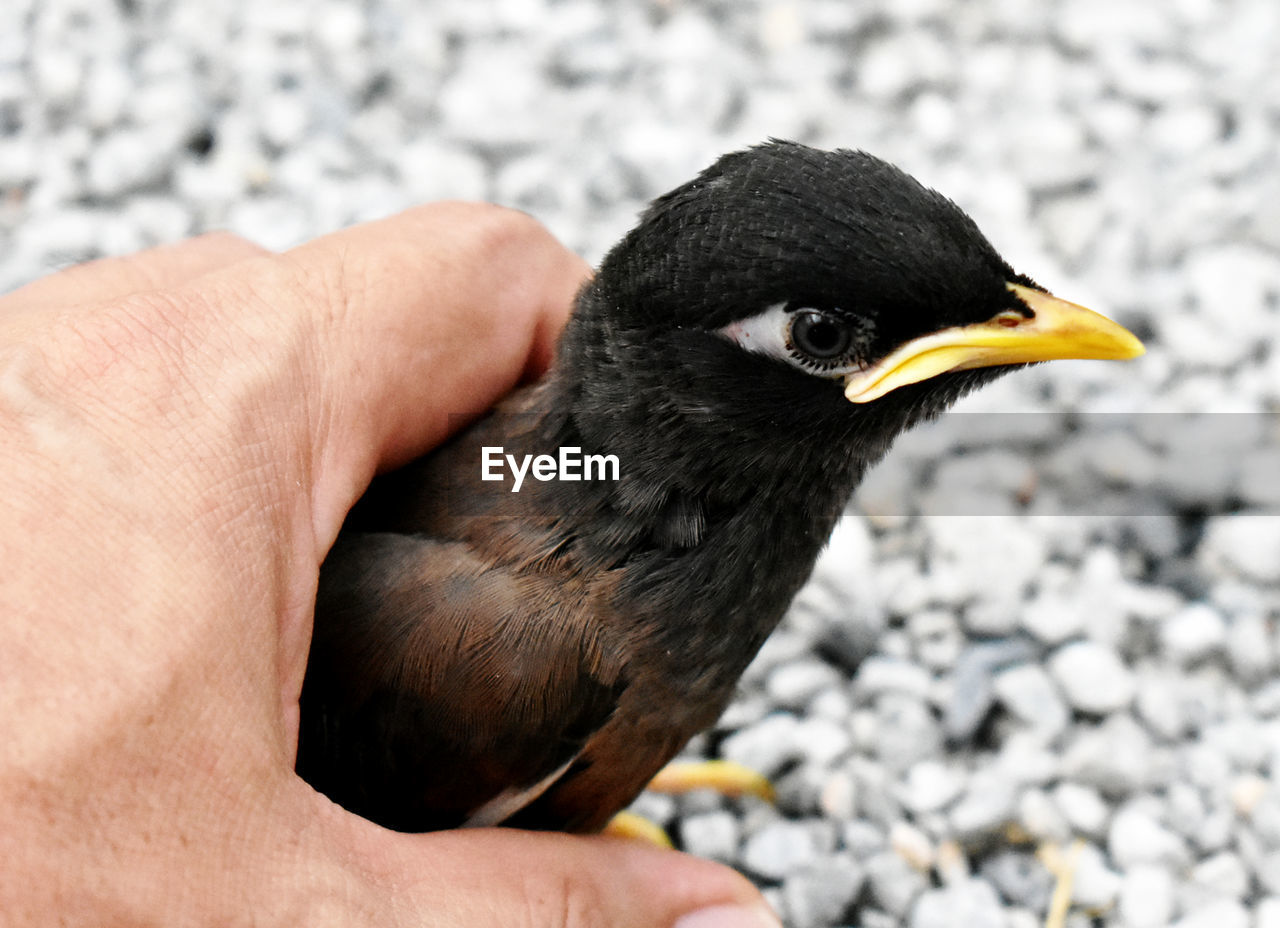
<point>1056,329</point>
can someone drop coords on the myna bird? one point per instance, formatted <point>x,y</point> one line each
<point>532,658</point>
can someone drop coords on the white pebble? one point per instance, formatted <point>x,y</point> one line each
<point>1246,545</point>
<point>1193,633</point>
<point>1092,677</point>
<point>1146,896</point>
<point>1221,914</point>
<point>1136,838</point>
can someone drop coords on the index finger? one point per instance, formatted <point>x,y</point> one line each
<point>419,320</point>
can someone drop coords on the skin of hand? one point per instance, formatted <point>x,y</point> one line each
<point>181,435</point>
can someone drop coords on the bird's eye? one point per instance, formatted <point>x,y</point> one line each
<point>819,336</point>
<point>821,342</point>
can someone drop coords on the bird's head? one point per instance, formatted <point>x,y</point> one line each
<point>788,287</point>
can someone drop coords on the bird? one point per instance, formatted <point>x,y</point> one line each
<point>491,655</point>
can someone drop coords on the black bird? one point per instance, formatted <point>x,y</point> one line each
<point>532,658</point>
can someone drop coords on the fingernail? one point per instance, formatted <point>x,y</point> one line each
<point>730,916</point>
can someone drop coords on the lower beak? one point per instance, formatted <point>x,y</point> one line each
<point>1055,330</point>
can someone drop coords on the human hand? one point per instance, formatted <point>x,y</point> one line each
<point>181,435</point>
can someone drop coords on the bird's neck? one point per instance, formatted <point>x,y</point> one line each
<point>716,520</point>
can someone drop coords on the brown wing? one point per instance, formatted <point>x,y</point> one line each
<point>438,683</point>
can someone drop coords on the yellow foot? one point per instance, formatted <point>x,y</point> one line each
<point>1063,867</point>
<point>723,776</point>
<point>637,828</point>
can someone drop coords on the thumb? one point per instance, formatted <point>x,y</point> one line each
<point>503,877</point>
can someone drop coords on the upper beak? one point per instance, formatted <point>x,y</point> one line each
<point>1056,329</point>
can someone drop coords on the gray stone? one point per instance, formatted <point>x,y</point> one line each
<point>57,74</point>
<point>430,170</point>
<point>1146,896</point>
<point>874,918</point>
<point>880,675</point>
<point>126,160</point>
<point>905,731</point>
<point>1163,706</point>
<point>1136,837</point>
<point>1267,870</point>
<point>1030,696</point>
<point>995,559</point>
<point>1185,809</point>
<point>1258,485</point>
<point>1193,634</point>
<point>973,903</point>
<point>1250,648</point>
<point>799,791</point>
<point>747,710</point>
<point>874,785</point>
<point>833,703</point>
<point>1248,546</point>
<point>936,638</point>
<point>972,685</point>
<point>273,222</point>
<point>989,801</point>
<point>1082,807</point>
<point>767,746</point>
<point>1222,876</point>
<point>1095,885</point>
<point>1224,913</point>
<point>19,162</point>
<point>658,808</point>
<point>821,895</point>
<point>1092,677</point>
<point>1265,701</point>
<point>159,219</point>
<point>930,786</point>
<point>1019,877</point>
<point>713,835</point>
<point>905,586</point>
<point>1042,818</point>
<point>1265,819</point>
<point>1236,742</point>
<point>283,118</point>
<point>1073,225</point>
<point>1266,913</point>
<point>840,606</point>
<point>862,839</point>
<point>1051,618</point>
<point>783,847</point>
<point>822,741</point>
<point>1117,757</point>
<point>1026,761</point>
<point>792,685</point>
<point>782,647</point>
<point>892,883</point>
<point>1158,534</point>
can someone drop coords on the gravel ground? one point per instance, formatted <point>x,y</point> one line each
<point>1047,635</point>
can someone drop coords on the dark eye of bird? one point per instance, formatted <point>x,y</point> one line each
<point>820,336</point>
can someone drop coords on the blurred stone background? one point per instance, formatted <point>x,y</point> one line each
<point>1048,630</point>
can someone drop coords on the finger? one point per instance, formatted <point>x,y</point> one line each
<point>109,279</point>
<point>500,877</point>
<point>422,320</point>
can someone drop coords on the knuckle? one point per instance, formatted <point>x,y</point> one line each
<point>143,334</point>
<point>496,231</point>
<point>572,901</point>
<point>222,239</point>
